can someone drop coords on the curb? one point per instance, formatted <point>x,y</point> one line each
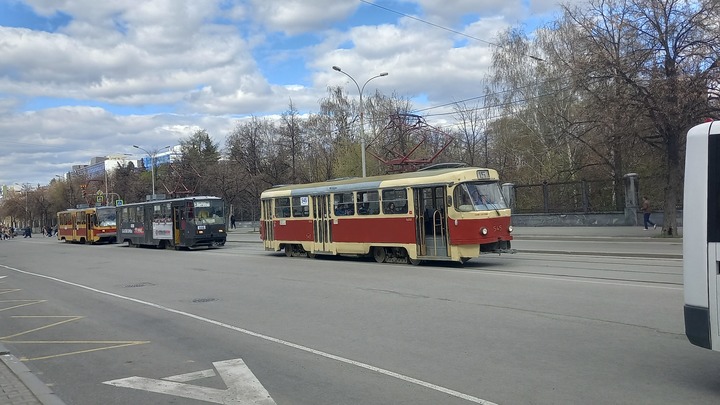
<point>605,254</point>
<point>39,389</point>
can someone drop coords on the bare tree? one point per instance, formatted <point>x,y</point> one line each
<point>661,56</point>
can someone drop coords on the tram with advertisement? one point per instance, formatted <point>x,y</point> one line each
<point>180,223</point>
<point>87,225</point>
<point>701,236</point>
<point>437,213</point>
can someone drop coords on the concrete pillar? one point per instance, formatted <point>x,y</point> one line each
<point>508,191</point>
<point>632,198</point>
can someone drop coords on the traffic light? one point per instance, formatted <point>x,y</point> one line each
<point>83,187</point>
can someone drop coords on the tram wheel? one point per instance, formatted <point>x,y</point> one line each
<point>414,262</point>
<point>288,250</point>
<point>310,255</point>
<point>379,254</point>
<point>464,259</point>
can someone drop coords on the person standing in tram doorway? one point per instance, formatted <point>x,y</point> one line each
<point>646,209</point>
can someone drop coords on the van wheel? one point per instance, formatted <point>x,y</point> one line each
<point>379,254</point>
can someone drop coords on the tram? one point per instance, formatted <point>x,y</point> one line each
<point>87,225</point>
<point>436,213</point>
<point>701,236</point>
<point>173,224</point>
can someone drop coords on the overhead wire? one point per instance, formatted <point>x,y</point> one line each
<point>536,58</point>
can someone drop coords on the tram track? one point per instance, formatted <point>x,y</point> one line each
<point>638,270</point>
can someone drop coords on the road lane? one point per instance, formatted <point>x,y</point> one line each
<point>491,330</point>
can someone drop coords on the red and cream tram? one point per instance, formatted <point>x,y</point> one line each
<point>87,225</point>
<point>433,214</point>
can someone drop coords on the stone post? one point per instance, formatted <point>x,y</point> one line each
<point>632,198</point>
<point>508,191</point>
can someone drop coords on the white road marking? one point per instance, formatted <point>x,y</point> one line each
<point>191,376</point>
<point>243,387</point>
<point>379,370</point>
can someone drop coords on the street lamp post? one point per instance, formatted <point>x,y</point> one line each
<point>362,123</point>
<point>152,164</point>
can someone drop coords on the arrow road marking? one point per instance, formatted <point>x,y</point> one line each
<point>285,343</point>
<point>243,388</point>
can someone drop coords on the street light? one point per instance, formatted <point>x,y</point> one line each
<point>152,164</point>
<point>362,123</point>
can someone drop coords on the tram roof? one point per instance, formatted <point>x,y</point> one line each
<point>435,176</point>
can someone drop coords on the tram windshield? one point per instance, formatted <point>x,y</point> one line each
<point>106,217</point>
<point>479,196</point>
<point>208,212</point>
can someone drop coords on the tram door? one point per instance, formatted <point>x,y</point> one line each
<point>431,221</point>
<point>268,220</point>
<point>178,222</point>
<point>321,222</point>
<point>90,222</point>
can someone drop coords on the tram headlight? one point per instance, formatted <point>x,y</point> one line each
<point>510,228</point>
<point>200,232</point>
<point>484,231</point>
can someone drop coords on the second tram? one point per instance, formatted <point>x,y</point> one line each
<point>176,223</point>
<point>450,214</point>
<point>87,225</point>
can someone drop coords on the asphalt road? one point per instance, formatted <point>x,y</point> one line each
<point>115,325</point>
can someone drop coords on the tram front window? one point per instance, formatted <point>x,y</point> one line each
<point>106,217</point>
<point>479,197</point>
<point>208,212</point>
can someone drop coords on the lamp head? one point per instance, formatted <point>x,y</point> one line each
<point>384,74</point>
<point>337,68</point>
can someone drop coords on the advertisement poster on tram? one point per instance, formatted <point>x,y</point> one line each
<point>162,230</point>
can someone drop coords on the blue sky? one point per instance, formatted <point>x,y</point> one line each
<point>85,78</point>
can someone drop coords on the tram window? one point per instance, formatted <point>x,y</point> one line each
<point>478,196</point>
<point>138,214</point>
<point>282,207</point>
<point>395,201</point>
<point>344,204</point>
<point>299,210</point>
<point>368,202</point>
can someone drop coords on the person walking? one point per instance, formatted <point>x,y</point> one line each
<point>646,209</point>
<point>232,221</point>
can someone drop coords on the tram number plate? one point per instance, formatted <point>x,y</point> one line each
<point>201,227</point>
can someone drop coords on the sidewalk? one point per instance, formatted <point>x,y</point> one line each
<point>592,232</point>
<point>19,386</point>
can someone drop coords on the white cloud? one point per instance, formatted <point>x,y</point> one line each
<point>199,60</point>
<point>299,16</point>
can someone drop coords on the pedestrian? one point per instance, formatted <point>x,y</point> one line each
<point>646,209</point>
<point>28,232</point>
<point>232,221</point>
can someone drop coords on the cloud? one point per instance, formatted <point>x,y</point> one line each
<point>299,16</point>
<point>111,66</point>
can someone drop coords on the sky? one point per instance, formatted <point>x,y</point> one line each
<point>87,78</point>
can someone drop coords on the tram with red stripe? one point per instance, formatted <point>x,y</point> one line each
<point>443,214</point>
<point>87,225</point>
